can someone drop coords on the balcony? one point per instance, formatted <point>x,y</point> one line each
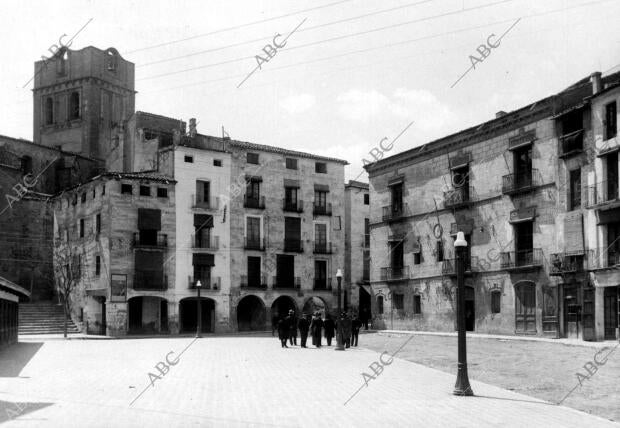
<point>603,258</point>
<point>254,244</point>
<point>255,282</point>
<point>150,280</point>
<point>293,206</point>
<point>287,283</point>
<point>522,259</point>
<point>293,245</point>
<point>322,247</point>
<point>208,242</point>
<point>205,283</point>
<point>199,203</point>
<point>521,182</point>
<point>150,241</point>
<point>570,144</point>
<point>602,193</point>
<point>322,284</point>
<point>448,266</point>
<point>254,202</point>
<point>322,209</point>
<point>366,240</point>
<point>394,273</point>
<point>563,263</point>
<point>395,212</point>
<point>461,197</point>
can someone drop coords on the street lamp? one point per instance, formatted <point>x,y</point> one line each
<point>198,308</point>
<point>339,341</point>
<point>462,380</point>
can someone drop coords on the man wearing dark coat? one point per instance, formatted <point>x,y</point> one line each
<point>293,325</point>
<point>329,327</point>
<point>283,331</point>
<point>316,328</point>
<point>346,330</point>
<point>356,325</point>
<point>304,326</point>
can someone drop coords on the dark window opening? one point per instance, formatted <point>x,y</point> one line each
<point>290,198</point>
<point>496,299</point>
<point>291,163</point>
<point>417,304</point>
<point>611,121</point>
<point>292,234</point>
<point>380,305</point>
<point>366,199</point>
<point>253,232</point>
<point>188,159</point>
<point>126,189</point>
<point>320,274</point>
<point>524,243</point>
<point>49,111</point>
<point>575,189</point>
<point>81,228</point>
<point>396,257</point>
<point>399,301</point>
<point>397,198</point>
<point>97,265</point>
<point>26,162</point>
<point>439,251</point>
<point>74,106</point>
<point>252,158</point>
<point>254,272</point>
<point>366,266</point>
<point>523,167</point>
<point>145,191</point>
<point>320,167</point>
<point>162,192</point>
<point>83,198</point>
<point>98,224</point>
<point>417,258</point>
<point>611,187</point>
<point>285,271</point>
<point>103,190</point>
<point>217,162</point>
<point>253,190</point>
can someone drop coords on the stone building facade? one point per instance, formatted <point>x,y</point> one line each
<point>499,182</point>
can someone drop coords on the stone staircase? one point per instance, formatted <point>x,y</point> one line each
<point>43,318</point>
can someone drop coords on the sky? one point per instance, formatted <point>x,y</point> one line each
<point>351,73</point>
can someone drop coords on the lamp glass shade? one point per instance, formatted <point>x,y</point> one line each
<point>460,240</point>
<point>198,283</point>
<point>339,274</point>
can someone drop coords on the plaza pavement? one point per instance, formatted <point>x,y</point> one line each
<point>246,381</point>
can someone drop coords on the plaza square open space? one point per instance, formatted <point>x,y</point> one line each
<point>252,381</point>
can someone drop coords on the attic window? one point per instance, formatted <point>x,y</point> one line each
<point>74,106</point>
<point>188,159</point>
<point>111,61</point>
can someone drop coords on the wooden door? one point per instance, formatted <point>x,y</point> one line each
<point>525,311</point>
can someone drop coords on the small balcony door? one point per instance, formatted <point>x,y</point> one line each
<point>320,274</point>
<point>397,198</point>
<point>523,167</point>
<point>612,176</point>
<point>524,243</point>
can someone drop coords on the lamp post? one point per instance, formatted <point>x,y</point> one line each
<point>339,341</point>
<point>462,380</point>
<point>198,309</point>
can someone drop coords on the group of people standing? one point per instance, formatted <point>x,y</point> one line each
<point>314,325</point>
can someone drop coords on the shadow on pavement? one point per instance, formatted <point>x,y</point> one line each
<point>15,357</point>
<point>11,410</point>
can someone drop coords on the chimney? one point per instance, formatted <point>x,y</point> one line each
<point>595,78</point>
<point>500,114</point>
<point>192,127</point>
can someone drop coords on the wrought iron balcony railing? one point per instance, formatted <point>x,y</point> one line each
<point>394,273</point>
<point>212,203</point>
<point>293,245</point>
<point>570,143</point>
<point>563,263</point>
<point>322,209</point>
<point>323,284</point>
<point>208,283</point>
<point>448,266</point>
<point>255,243</point>
<point>603,258</point>
<point>159,241</point>
<point>208,242</point>
<point>459,197</point>
<point>520,182</point>
<point>322,247</point>
<point>150,280</point>
<point>532,258</point>
<point>292,282</point>
<point>602,193</point>
<point>395,212</point>
<point>254,281</point>
<point>293,206</point>
<point>254,202</point>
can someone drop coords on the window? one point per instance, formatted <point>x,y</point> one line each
<point>26,164</point>
<point>81,228</point>
<point>292,234</point>
<point>417,305</point>
<point>399,301</point>
<point>188,159</point>
<point>440,251</point>
<point>217,162</point>
<point>320,199</point>
<point>83,198</point>
<point>253,230</point>
<point>611,121</point>
<point>397,198</point>
<point>320,168</point>
<point>103,190</point>
<point>575,189</point>
<point>98,224</point>
<point>320,274</point>
<point>366,199</point>
<point>126,189</point>
<point>145,191</point>
<point>366,266</point>
<point>496,299</point>
<point>162,192</point>
<point>320,234</point>
<point>417,257</point>
<point>74,106</point>
<point>97,266</point>
<point>291,163</point>
<point>290,198</point>
<point>49,111</point>
<point>380,305</point>
<point>252,158</point>
<point>94,193</point>
<point>111,61</point>
<point>253,190</point>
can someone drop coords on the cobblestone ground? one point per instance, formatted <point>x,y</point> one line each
<point>539,369</point>
<point>246,381</point>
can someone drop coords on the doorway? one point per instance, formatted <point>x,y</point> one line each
<point>610,311</point>
<point>525,308</point>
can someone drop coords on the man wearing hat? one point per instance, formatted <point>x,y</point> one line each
<point>293,327</point>
<point>304,325</point>
<point>316,328</point>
